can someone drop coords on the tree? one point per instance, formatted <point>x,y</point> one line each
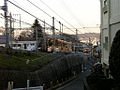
<point>114,58</point>
<point>38,27</point>
<point>25,35</point>
<point>37,33</point>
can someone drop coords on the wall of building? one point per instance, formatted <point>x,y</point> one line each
<point>110,24</point>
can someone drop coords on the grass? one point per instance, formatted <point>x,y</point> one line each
<point>17,61</point>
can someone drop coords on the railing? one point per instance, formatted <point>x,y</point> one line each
<point>10,87</point>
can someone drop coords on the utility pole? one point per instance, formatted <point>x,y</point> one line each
<point>76,34</point>
<point>6,23</point>
<point>36,37</point>
<point>44,37</point>
<point>20,20</point>
<point>76,43</point>
<point>53,28</point>
<point>62,32</point>
<point>11,30</point>
<point>60,29</point>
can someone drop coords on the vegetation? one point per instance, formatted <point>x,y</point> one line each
<point>114,59</point>
<point>25,35</point>
<point>38,27</point>
<point>24,61</point>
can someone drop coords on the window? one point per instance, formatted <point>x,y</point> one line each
<point>105,3</point>
<point>32,44</point>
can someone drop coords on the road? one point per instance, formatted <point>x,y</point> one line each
<point>76,84</point>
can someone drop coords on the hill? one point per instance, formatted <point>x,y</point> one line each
<point>93,38</point>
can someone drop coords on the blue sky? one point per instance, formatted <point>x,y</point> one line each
<point>79,13</point>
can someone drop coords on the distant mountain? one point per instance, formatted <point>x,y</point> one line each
<point>93,38</point>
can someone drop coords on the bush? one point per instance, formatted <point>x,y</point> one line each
<point>114,58</point>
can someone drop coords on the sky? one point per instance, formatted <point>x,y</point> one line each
<point>80,14</point>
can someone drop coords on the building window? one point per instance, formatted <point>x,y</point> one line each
<point>105,3</point>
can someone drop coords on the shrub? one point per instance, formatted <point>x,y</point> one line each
<point>114,58</point>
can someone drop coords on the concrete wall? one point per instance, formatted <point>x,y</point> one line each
<point>110,24</point>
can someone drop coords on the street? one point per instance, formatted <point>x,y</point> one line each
<point>76,84</point>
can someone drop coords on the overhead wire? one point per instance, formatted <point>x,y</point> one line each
<point>27,12</point>
<point>61,17</point>
<point>42,10</point>
<point>58,16</point>
<point>30,13</point>
<point>39,8</point>
<point>76,19</point>
<point>17,20</point>
<point>50,15</point>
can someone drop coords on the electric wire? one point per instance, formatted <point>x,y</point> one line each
<point>59,16</point>
<point>35,16</point>
<point>75,18</point>
<point>50,15</point>
<point>39,8</point>
<point>27,12</point>
<point>56,14</point>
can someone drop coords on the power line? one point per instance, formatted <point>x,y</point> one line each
<point>17,20</point>
<point>58,16</point>
<point>27,12</point>
<point>56,13</point>
<point>22,21</point>
<point>17,3</point>
<point>48,14</point>
<point>39,8</point>
<point>74,17</point>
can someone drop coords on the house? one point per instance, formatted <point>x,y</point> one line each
<point>110,24</point>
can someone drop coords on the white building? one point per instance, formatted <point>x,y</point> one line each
<point>110,24</point>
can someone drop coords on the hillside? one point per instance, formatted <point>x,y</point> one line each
<point>89,37</point>
<point>24,61</point>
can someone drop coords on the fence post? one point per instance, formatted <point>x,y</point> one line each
<point>28,82</point>
<point>9,86</point>
<point>82,67</point>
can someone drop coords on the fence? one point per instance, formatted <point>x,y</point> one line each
<point>10,87</point>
